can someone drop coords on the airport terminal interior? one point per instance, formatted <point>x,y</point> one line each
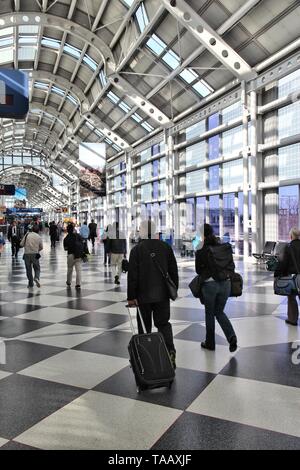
<point>182,112</point>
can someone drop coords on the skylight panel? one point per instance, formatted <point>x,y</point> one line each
<point>71,50</point>
<point>57,90</point>
<point>147,126</point>
<point>188,75</point>
<point>98,133</point>
<point>6,56</point>
<point>90,62</point>
<point>102,78</point>
<point>114,98</point>
<point>142,17</point>
<point>156,45</point>
<point>108,141</point>
<point>27,53</point>
<point>116,147</point>
<point>72,99</point>
<point>136,117</point>
<point>124,106</point>
<point>49,42</point>
<point>128,2</point>
<point>6,31</point>
<point>4,42</point>
<point>27,39</point>
<point>28,29</point>
<point>203,88</point>
<point>171,59</point>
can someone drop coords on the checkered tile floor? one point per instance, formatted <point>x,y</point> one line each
<point>67,383</point>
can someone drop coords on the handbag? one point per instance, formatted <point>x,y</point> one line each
<point>170,284</point>
<point>272,264</point>
<point>236,285</point>
<point>195,286</point>
<point>288,285</point>
<point>125,265</point>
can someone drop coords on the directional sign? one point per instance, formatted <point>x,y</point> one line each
<point>14,90</point>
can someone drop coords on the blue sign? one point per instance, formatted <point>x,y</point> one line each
<point>14,91</point>
<point>23,210</point>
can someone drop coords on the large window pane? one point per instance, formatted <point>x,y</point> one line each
<point>200,211</point>
<point>232,112</point>
<point>233,174</point>
<point>289,162</point>
<point>214,213</point>
<point>195,154</point>
<point>289,120</point>
<point>195,181</point>
<point>288,210</point>
<point>195,130</point>
<point>214,147</point>
<point>228,210</point>
<point>232,141</point>
<point>289,84</point>
<point>214,173</point>
<point>190,214</point>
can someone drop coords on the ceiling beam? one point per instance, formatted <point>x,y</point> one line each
<point>210,39</point>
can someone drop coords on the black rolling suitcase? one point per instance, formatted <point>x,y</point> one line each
<point>149,359</point>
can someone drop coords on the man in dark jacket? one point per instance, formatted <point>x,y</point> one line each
<point>117,249</point>
<point>93,232</point>
<point>287,266</point>
<point>146,286</point>
<point>73,244</point>
<point>14,236</point>
<point>53,233</point>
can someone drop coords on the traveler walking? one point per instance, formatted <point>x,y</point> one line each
<point>93,232</point>
<point>85,233</point>
<point>286,266</point>
<point>53,233</point>
<point>117,249</point>
<point>14,236</point>
<point>215,287</point>
<point>146,285</point>
<point>73,243</point>
<point>33,244</point>
<point>105,238</point>
<point>2,243</point>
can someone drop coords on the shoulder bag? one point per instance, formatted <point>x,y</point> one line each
<point>288,285</point>
<point>170,284</point>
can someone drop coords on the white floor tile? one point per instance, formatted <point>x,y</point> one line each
<point>113,296</point>
<point>187,303</point>
<point>255,331</point>
<point>64,336</point>
<point>4,374</point>
<point>119,307</point>
<point>190,355</point>
<point>265,405</point>
<point>77,368</point>
<point>52,314</point>
<point>101,422</point>
<point>3,441</point>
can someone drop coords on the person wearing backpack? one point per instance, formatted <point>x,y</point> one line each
<point>74,245</point>
<point>214,264</point>
<point>290,264</point>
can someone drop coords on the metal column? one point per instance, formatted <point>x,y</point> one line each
<point>245,172</point>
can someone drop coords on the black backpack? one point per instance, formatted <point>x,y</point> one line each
<point>220,261</point>
<point>78,247</point>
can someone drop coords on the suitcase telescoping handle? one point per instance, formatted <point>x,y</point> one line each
<point>140,317</point>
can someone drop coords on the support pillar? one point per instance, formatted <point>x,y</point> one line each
<point>245,172</point>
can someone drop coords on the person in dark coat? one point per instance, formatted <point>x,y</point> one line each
<point>117,249</point>
<point>14,235</point>
<point>53,233</point>
<point>214,294</point>
<point>93,232</point>
<point>287,266</point>
<point>146,286</point>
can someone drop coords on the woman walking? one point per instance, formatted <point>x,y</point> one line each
<point>73,244</point>
<point>214,293</point>
<point>290,264</point>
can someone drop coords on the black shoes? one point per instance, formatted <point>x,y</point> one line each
<point>117,280</point>
<point>37,282</point>
<point>291,323</point>
<point>68,284</point>
<point>78,287</point>
<point>205,346</point>
<point>233,344</point>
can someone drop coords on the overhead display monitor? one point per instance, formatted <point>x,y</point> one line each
<point>92,159</point>
<point>14,92</point>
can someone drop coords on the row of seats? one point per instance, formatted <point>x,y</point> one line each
<point>270,249</point>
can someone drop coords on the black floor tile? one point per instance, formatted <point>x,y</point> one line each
<point>188,384</point>
<point>12,327</point>
<point>187,314</point>
<point>111,343</point>
<point>22,354</point>
<point>13,310</point>
<point>13,445</point>
<point>98,320</point>
<point>272,365</point>
<point>24,401</point>
<point>198,333</point>
<point>75,293</point>
<point>197,432</point>
<point>85,304</point>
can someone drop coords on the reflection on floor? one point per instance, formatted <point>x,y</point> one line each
<point>67,384</point>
